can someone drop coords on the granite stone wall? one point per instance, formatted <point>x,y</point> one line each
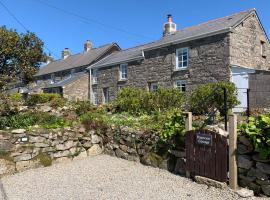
<point>245,45</point>
<point>208,62</point>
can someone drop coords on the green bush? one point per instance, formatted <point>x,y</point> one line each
<point>34,99</point>
<point>138,101</point>
<point>82,107</point>
<point>28,119</point>
<point>211,96</point>
<point>7,106</point>
<point>16,97</point>
<point>258,131</point>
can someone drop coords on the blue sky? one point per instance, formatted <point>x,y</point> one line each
<point>127,22</point>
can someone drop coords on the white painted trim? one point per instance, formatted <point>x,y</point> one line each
<point>176,58</point>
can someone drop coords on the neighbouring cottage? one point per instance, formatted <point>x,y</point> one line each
<point>68,76</point>
<point>225,49</point>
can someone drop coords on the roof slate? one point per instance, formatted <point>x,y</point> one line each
<point>74,61</point>
<point>215,26</point>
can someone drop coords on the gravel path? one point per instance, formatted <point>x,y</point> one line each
<point>105,177</point>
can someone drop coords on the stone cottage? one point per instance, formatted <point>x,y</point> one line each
<point>224,49</point>
<point>68,76</point>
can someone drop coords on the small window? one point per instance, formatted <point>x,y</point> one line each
<point>263,49</point>
<point>95,76</point>
<point>95,97</point>
<point>123,71</point>
<point>106,95</point>
<point>181,85</point>
<point>153,87</point>
<point>182,58</point>
<point>52,78</point>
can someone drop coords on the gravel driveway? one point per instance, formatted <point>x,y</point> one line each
<point>105,177</point>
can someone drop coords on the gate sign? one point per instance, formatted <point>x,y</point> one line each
<point>204,139</point>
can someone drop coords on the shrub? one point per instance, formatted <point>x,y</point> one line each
<point>44,159</point>
<point>82,107</point>
<point>28,119</point>
<point>16,97</point>
<point>95,121</point>
<point>211,96</point>
<point>34,99</point>
<point>138,101</point>
<point>7,106</point>
<point>258,131</point>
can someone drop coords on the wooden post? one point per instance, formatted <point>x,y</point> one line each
<point>188,123</point>
<point>188,126</point>
<point>233,151</point>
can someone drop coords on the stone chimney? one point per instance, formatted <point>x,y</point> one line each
<point>49,59</point>
<point>65,53</point>
<point>169,27</point>
<point>88,45</point>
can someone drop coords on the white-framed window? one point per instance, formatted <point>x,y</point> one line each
<point>181,58</point>
<point>123,71</point>
<point>181,85</point>
<point>52,78</point>
<point>153,87</point>
<point>94,96</point>
<point>94,76</point>
<point>106,95</point>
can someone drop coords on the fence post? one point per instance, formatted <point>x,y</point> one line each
<point>225,109</point>
<point>233,151</point>
<point>188,122</point>
<point>188,126</point>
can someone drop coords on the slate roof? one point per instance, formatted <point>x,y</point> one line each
<point>213,27</point>
<point>67,81</point>
<point>77,60</point>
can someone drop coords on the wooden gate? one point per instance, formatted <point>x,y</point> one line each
<point>207,154</point>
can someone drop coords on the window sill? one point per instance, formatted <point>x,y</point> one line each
<point>94,83</point>
<point>122,80</point>
<point>180,69</point>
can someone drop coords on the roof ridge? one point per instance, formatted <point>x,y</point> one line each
<point>217,19</point>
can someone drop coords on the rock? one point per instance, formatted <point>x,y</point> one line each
<point>167,164</point>
<point>121,154</point>
<point>244,140</point>
<point>244,193</point>
<point>22,108</point>
<point>18,131</point>
<point>81,130</point>
<point>134,158</point>
<point>45,108</point>
<point>243,149</point>
<point>180,166</point>
<point>263,182</point>
<point>41,145</point>
<point>67,145</point>
<point>256,188</point>
<point>246,180</point>
<point>263,167</point>
<point>95,139</point>
<point>81,155</point>
<point>59,154</point>
<point>87,144</point>
<point>29,164</point>
<point>266,190</point>
<point>178,154</point>
<point>37,139</point>
<point>210,182</point>
<point>22,157</point>
<point>256,157</point>
<point>257,173</point>
<point>217,129</point>
<point>94,150</point>
<point>123,147</point>
<point>6,167</point>
<point>244,161</point>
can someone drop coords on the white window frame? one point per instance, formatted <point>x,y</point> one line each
<point>106,95</point>
<point>180,63</point>
<point>152,85</point>
<point>180,84</point>
<point>95,76</point>
<point>52,78</point>
<point>94,96</point>
<point>123,73</point>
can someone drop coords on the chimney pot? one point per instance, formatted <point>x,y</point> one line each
<point>88,45</point>
<point>66,53</point>
<point>169,27</point>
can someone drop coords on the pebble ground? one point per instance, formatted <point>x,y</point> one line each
<point>105,177</point>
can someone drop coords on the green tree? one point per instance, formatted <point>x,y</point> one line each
<point>21,54</point>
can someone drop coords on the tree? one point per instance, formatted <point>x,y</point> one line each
<point>21,55</point>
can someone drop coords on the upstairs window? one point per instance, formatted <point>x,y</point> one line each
<point>123,71</point>
<point>263,54</point>
<point>181,85</point>
<point>181,58</point>
<point>95,76</point>
<point>153,87</point>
